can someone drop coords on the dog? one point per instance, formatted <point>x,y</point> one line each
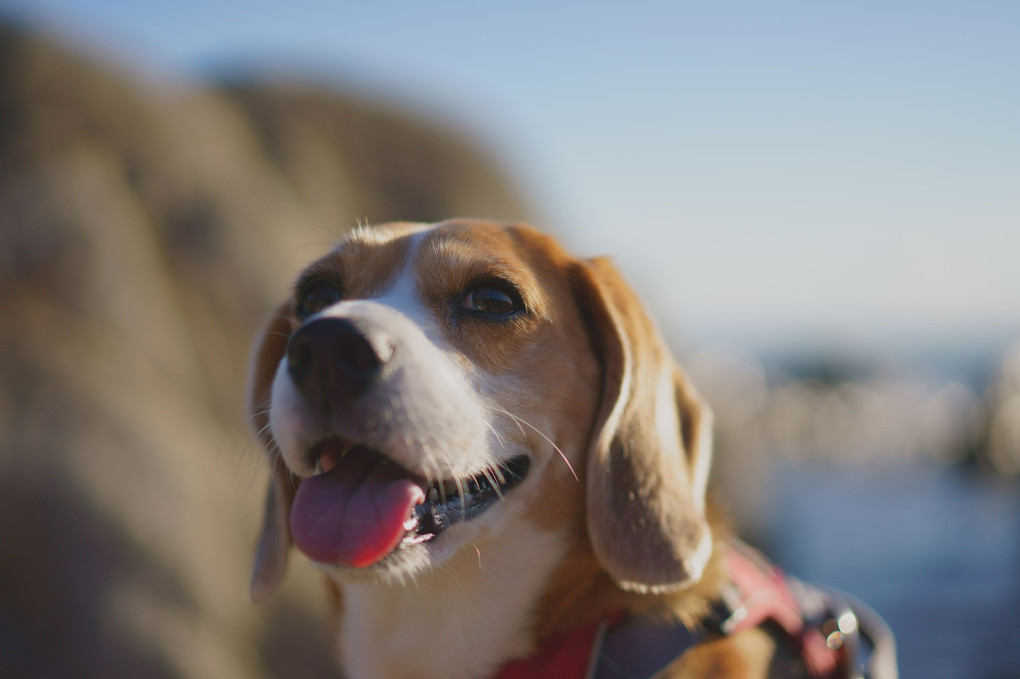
<point>486,446</point>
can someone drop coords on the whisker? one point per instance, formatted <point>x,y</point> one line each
<point>496,434</point>
<point>272,452</point>
<point>495,486</point>
<point>246,450</point>
<point>516,420</point>
<point>317,244</point>
<point>450,570</point>
<point>263,410</point>
<point>538,431</point>
<point>244,455</point>
<point>262,459</point>
<point>463,503</point>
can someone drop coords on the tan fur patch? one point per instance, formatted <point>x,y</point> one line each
<point>367,261</point>
<point>581,592</point>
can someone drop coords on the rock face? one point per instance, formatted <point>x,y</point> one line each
<point>146,228</point>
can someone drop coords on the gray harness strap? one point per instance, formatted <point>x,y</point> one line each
<point>638,648</point>
<point>641,647</point>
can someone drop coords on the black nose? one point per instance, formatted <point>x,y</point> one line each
<point>331,361</point>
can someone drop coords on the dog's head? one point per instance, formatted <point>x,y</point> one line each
<point>427,385</point>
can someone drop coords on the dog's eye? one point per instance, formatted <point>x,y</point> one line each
<point>492,300</point>
<point>315,295</point>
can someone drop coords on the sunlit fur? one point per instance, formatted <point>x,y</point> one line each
<point>577,380</point>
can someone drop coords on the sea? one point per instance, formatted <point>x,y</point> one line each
<point>934,549</point>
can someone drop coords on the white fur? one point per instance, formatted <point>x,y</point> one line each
<point>402,294</point>
<point>459,622</point>
<point>461,605</point>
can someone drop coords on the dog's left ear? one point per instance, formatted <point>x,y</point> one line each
<point>274,538</point>
<point>650,448</point>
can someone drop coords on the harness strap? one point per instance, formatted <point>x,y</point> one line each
<point>761,593</point>
<point>565,656</point>
<point>639,647</point>
<point>819,625</point>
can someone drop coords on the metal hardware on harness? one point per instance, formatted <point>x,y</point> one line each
<point>837,636</point>
<point>870,646</point>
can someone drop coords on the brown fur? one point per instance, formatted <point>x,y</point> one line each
<point>367,263</point>
<point>634,434</point>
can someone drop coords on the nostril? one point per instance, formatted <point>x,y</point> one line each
<point>299,358</point>
<point>356,356</point>
<point>331,360</point>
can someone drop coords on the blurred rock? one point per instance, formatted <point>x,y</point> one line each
<point>146,228</point>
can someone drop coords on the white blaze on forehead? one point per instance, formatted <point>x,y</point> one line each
<point>402,293</point>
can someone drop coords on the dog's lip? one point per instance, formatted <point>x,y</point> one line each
<point>325,453</point>
<point>447,501</point>
<point>327,459</point>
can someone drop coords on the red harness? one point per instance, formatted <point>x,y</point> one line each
<point>565,656</point>
<point>759,594</point>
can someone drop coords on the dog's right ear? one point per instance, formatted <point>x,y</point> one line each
<point>274,538</point>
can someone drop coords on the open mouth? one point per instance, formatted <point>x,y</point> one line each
<point>449,502</point>
<point>362,506</point>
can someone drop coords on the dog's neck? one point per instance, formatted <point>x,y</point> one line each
<point>461,621</point>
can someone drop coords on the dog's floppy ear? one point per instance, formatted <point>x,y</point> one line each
<point>274,538</point>
<point>650,447</point>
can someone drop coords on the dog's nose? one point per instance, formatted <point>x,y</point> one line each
<point>331,361</point>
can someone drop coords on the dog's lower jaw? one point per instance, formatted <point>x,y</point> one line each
<point>462,620</point>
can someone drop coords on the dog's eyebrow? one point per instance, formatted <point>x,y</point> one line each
<point>466,259</point>
<point>453,265</point>
<point>495,270</point>
<point>319,269</point>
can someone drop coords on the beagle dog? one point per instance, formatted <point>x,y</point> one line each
<point>486,447</point>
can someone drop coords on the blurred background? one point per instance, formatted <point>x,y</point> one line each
<point>819,200</point>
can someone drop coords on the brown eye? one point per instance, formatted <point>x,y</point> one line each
<point>315,295</point>
<point>492,300</point>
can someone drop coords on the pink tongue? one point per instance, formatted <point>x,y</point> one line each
<point>354,514</point>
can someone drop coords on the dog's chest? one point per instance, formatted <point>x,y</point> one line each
<point>461,622</point>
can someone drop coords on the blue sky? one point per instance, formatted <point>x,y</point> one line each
<point>845,172</point>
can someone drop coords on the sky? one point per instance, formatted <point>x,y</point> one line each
<point>780,173</point>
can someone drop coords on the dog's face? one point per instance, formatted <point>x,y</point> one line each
<point>428,385</point>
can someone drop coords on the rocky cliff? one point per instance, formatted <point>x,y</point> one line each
<point>146,227</point>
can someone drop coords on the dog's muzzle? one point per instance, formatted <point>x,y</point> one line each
<point>360,505</point>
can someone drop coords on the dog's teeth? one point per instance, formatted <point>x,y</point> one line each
<point>433,494</point>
